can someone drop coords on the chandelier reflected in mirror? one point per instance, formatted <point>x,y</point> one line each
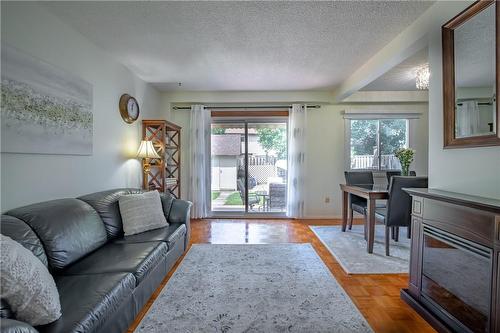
<point>422,75</point>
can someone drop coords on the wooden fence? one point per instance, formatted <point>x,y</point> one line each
<point>262,160</point>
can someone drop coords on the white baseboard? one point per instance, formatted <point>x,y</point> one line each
<point>327,217</point>
<point>319,217</point>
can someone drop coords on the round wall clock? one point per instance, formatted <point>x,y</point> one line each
<point>129,108</point>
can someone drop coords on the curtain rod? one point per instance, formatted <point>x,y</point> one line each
<point>482,103</point>
<point>246,107</point>
<point>490,101</point>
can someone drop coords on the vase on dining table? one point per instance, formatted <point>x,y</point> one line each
<point>405,170</point>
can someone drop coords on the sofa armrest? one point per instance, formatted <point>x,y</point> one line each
<point>15,326</point>
<point>181,213</point>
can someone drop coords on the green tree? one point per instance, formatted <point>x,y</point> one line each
<point>273,139</point>
<point>218,130</point>
<point>364,136</point>
<point>392,135</point>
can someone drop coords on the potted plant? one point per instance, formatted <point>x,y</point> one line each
<point>405,157</point>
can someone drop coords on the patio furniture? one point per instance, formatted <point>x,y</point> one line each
<point>356,203</point>
<point>398,211</point>
<point>277,196</point>
<point>265,200</point>
<point>253,198</point>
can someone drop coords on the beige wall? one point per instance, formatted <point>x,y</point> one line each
<point>28,178</point>
<point>325,137</point>
<point>473,171</point>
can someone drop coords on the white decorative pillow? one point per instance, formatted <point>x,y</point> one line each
<point>26,284</point>
<point>141,212</point>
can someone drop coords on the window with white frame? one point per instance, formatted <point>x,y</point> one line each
<point>371,143</point>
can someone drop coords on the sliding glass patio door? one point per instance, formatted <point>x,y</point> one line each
<point>249,167</point>
<point>228,167</point>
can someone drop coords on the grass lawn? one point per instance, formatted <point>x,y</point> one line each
<point>215,195</point>
<point>233,199</point>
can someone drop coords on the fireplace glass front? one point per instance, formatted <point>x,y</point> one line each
<point>456,280</point>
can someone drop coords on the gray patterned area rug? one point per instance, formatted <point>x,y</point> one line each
<point>349,248</point>
<point>253,288</point>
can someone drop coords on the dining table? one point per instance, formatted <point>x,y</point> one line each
<point>372,193</point>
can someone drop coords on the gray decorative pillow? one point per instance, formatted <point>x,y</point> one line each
<point>141,212</point>
<point>27,285</point>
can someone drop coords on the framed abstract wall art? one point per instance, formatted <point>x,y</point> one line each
<point>44,109</point>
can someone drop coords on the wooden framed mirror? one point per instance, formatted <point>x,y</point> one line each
<point>470,77</point>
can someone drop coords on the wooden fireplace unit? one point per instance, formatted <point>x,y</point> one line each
<point>454,263</point>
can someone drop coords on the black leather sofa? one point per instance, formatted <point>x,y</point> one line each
<point>104,279</point>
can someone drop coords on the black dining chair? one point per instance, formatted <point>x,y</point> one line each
<point>355,203</point>
<point>398,211</point>
<point>391,173</point>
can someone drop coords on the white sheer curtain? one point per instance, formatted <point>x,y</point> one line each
<point>199,161</point>
<point>297,160</point>
<point>467,119</point>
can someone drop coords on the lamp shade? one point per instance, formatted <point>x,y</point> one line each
<point>146,150</point>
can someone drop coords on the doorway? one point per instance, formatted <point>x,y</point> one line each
<point>248,166</point>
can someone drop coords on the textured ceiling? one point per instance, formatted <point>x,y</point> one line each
<point>241,45</point>
<point>474,58</point>
<point>401,77</point>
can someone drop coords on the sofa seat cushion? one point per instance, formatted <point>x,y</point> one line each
<point>170,235</point>
<point>87,301</point>
<point>137,258</point>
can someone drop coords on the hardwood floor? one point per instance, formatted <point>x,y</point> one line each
<point>376,296</point>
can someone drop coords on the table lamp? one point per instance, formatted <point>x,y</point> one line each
<point>147,151</point>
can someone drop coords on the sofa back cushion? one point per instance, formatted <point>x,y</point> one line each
<point>106,204</point>
<point>167,201</point>
<point>24,235</point>
<point>68,228</point>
